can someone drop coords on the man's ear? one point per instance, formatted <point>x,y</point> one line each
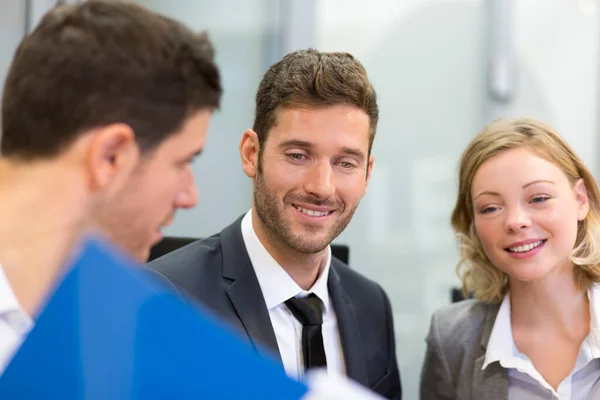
<point>249,149</point>
<point>112,156</point>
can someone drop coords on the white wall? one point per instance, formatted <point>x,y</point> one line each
<point>557,43</point>
<point>427,61</point>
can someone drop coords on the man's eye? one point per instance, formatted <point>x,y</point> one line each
<point>187,162</point>
<point>347,165</point>
<point>296,156</point>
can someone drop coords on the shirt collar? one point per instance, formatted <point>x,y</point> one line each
<point>594,336</point>
<point>8,300</point>
<point>10,309</point>
<point>276,284</point>
<point>502,348</point>
<point>501,345</point>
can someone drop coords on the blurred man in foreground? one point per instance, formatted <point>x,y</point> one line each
<point>105,106</point>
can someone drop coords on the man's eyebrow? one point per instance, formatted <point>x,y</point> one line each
<point>353,152</point>
<point>296,143</point>
<point>197,153</point>
<point>194,155</point>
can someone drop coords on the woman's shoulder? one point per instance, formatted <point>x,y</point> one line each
<point>462,321</point>
<point>454,344</point>
<point>463,311</point>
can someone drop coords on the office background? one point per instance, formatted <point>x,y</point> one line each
<point>442,69</point>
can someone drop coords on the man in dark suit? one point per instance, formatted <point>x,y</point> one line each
<point>271,273</point>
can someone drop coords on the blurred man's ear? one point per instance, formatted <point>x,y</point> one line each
<point>249,149</point>
<point>111,158</point>
<point>370,165</point>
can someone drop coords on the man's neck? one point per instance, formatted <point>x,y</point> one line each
<point>302,268</point>
<point>41,218</point>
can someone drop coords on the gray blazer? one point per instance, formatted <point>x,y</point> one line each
<point>456,346</point>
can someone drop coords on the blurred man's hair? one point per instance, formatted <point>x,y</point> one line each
<point>102,62</point>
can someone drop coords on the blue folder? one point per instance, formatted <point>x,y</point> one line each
<point>110,332</point>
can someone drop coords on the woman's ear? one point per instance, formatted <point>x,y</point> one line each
<point>582,199</point>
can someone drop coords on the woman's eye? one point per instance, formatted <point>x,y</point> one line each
<point>488,210</point>
<point>539,199</point>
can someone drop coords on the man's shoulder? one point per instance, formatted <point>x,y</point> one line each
<point>350,277</point>
<point>202,252</point>
<point>189,253</point>
<point>191,268</point>
<point>356,285</point>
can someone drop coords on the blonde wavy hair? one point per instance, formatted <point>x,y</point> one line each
<point>479,276</point>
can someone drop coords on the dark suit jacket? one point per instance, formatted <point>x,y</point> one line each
<point>217,272</point>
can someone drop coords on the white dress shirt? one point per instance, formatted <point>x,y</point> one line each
<point>525,382</point>
<point>15,324</point>
<point>277,287</point>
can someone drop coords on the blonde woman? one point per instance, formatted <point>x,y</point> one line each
<point>528,221</point>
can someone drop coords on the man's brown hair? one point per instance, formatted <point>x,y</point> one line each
<point>102,62</point>
<point>314,79</point>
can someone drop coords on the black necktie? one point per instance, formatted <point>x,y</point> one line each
<point>309,311</point>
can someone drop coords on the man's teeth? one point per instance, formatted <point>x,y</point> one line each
<point>312,213</point>
<point>524,248</point>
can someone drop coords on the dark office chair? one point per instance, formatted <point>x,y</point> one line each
<point>170,243</point>
<point>456,295</point>
<point>167,245</point>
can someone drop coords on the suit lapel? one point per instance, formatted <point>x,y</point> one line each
<point>352,345</point>
<point>491,383</point>
<point>245,293</point>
